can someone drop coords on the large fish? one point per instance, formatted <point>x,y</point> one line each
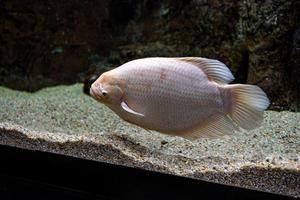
<point>188,97</point>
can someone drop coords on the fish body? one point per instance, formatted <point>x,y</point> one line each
<point>187,97</point>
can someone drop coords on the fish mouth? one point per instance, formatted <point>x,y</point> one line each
<point>95,94</point>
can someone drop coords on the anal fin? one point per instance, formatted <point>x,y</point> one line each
<point>214,127</point>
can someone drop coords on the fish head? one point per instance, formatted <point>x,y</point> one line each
<point>107,89</point>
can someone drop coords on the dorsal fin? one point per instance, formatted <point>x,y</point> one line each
<point>214,69</point>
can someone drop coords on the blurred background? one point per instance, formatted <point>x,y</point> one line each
<point>47,43</point>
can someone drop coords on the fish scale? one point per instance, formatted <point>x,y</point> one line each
<point>188,97</point>
<point>176,91</point>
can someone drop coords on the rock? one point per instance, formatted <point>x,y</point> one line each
<point>252,38</point>
<point>65,121</point>
<point>49,43</point>
<point>294,69</point>
<point>56,42</point>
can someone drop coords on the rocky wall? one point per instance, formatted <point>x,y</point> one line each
<point>47,43</point>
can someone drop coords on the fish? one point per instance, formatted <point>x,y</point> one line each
<point>189,97</point>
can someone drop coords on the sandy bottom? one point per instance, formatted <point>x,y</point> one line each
<point>63,120</point>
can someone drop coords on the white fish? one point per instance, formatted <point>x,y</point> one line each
<point>188,97</point>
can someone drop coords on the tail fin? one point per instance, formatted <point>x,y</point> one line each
<point>247,105</point>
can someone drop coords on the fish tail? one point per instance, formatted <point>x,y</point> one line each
<point>245,104</point>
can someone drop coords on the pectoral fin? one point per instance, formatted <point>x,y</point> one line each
<point>127,109</point>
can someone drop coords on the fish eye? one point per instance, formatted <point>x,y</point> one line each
<point>104,93</point>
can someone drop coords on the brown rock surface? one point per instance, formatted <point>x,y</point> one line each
<point>56,42</point>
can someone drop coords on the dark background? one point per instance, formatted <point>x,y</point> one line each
<point>27,174</point>
<point>45,43</point>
